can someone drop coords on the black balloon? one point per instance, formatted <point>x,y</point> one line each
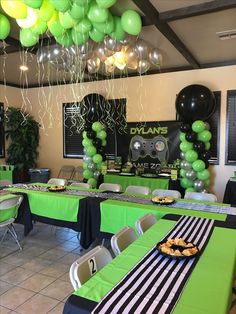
<point>91,134</point>
<point>191,136</point>
<point>195,102</point>
<point>185,127</point>
<point>97,142</point>
<point>101,150</point>
<point>199,147</point>
<point>88,127</point>
<point>207,163</point>
<point>205,156</point>
<point>85,180</point>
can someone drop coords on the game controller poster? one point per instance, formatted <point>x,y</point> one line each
<point>150,144</point>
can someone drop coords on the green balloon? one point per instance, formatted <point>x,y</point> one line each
<point>66,20</point>
<point>186,183</point>
<point>106,27</point>
<point>77,12</point>
<point>28,38</point>
<point>5,27</point>
<point>102,135</point>
<point>204,136</point>
<point>91,151</point>
<point>83,26</point>
<point>97,126</point>
<point>40,27</point>
<point>207,183</point>
<point>97,14</point>
<point>55,26</point>
<point>97,159</point>
<point>87,174</point>
<point>99,166</point>
<point>182,173</point>
<point>65,39</point>
<point>85,166</point>
<point>203,175</point>
<point>182,137</point>
<point>131,22</point>
<point>96,35</point>
<point>78,38</point>
<point>82,2</point>
<point>35,4</point>
<point>92,182</point>
<point>198,165</point>
<point>104,143</point>
<point>191,155</point>
<point>118,32</point>
<point>61,5</point>
<point>198,126</point>
<point>84,134</point>
<point>186,146</point>
<point>105,4</point>
<point>190,190</point>
<point>87,142</point>
<point>207,145</point>
<point>46,11</point>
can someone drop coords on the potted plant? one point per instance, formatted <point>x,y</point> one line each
<point>23,134</point>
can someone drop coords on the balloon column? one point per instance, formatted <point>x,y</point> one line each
<point>194,104</point>
<point>94,143</point>
<point>69,21</point>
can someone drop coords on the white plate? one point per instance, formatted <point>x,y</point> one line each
<point>164,174</point>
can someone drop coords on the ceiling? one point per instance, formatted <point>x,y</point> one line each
<point>183,30</point>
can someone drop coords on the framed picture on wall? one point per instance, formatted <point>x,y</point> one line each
<point>2,135</point>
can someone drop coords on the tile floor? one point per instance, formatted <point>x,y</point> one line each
<point>36,280</point>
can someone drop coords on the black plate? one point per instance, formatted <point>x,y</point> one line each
<point>177,247</point>
<point>50,190</point>
<point>162,203</point>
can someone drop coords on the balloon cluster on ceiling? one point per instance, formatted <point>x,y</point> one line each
<point>106,56</point>
<point>71,22</point>
<point>195,103</point>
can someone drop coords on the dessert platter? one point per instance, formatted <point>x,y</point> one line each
<point>163,200</point>
<point>57,188</point>
<point>177,248</point>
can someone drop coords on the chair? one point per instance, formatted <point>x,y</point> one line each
<point>78,174</point>
<point>81,185</point>
<point>171,193</point>
<point>5,182</point>
<point>144,223</point>
<point>57,181</point>
<point>122,239</point>
<point>66,172</point>
<point>207,197</point>
<point>113,187</point>
<point>87,265</point>
<point>136,189</point>
<point>8,212</point>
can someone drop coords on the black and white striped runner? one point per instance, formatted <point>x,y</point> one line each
<point>155,284</point>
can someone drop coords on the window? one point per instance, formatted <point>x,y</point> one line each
<point>230,153</point>
<point>2,136</point>
<point>112,114</point>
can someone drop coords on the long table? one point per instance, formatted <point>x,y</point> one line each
<point>62,209</point>
<point>208,289</point>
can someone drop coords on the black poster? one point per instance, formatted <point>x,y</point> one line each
<point>150,144</point>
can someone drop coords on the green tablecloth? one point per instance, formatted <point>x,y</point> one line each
<point>115,215</point>
<point>208,290</point>
<point>125,181</point>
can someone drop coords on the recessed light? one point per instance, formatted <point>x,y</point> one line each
<point>24,68</point>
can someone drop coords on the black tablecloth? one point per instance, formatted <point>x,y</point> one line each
<point>230,193</point>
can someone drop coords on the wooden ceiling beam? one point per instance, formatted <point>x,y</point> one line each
<point>195,10</point>
<point>152,15</point>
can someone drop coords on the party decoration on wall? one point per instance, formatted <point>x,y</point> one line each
<point>78,20</point>
<point>94,136</point>
<point>106,56</point>
<point>194,104</point>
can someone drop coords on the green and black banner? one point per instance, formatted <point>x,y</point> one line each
<point>150,144</point>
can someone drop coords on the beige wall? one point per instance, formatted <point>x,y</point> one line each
<point>149,98</point>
